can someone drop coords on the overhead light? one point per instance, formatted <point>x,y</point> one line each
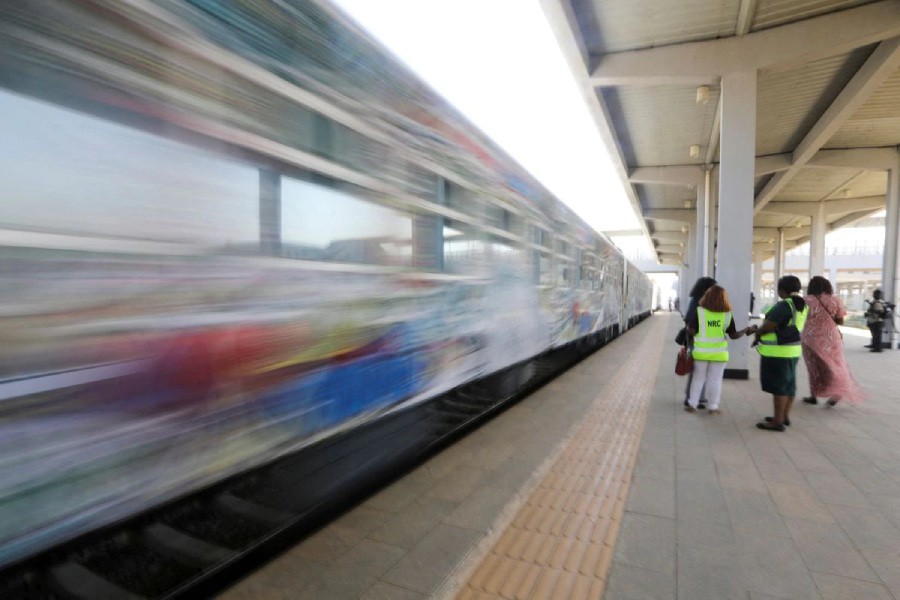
<point>684,229</point>
<point>681,244</point>
<point>845,192</point>
<point>799,224</point>
<point>695,151</point>
<point>703,94</point>
<point>687,203</point>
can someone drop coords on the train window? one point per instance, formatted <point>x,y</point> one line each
<point>459,198</point>
<point>68,173</point>
<point>327,221</point>
<point>542,237</point>
<point>546,269</point>
<point>464,247</point>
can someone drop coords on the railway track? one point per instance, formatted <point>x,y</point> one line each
<point>201,543</point>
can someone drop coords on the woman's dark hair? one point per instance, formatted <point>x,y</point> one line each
<point>818,285</point>
<point>703,284</point>
<point>790,284</point>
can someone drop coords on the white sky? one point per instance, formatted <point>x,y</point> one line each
<point>498,62</point>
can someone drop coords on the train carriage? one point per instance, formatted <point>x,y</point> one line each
<point>232,229</point>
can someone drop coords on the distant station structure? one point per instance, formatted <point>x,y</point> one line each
<point>744,128</point>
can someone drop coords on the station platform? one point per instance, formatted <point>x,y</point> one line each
<point>600,485</point>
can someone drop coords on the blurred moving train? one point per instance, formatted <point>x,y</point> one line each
<point>232,228</point>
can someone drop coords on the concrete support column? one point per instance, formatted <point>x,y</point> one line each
<point>712,218</point>
<point>832,277</point>
<point>817,242</point>
<point>736,193</point>
<point>701,226</point>
<point>690,273</point>
<point>757,284</point>
<point>778,266</point>
<point>890,273</point>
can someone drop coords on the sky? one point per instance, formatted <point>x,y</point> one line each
<point>498,62</point>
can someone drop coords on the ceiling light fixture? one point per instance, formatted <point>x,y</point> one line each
<point>684,229</point>
<point>695,151</point>
<point>845,192</point>
<point>687,203</point>
<point>703,94</point>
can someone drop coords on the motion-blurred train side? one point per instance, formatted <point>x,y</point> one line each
<point>232,228</point>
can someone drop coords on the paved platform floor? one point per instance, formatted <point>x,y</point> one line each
<point>713,508</point>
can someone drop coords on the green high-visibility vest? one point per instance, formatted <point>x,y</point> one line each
<point>710,343</point>
<point>768,342</point>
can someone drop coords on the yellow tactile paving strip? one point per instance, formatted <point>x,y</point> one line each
<point>560,544</point>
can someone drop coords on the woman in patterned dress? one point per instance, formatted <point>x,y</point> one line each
<point>823,349</point>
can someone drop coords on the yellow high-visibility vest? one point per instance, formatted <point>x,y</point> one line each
<point>710,343</point>
<point>768,342</point>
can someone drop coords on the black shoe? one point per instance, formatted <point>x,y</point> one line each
<point>701,405</point>
<point>875,350</point>
<point>765,425</point>
<point>811,400</point>
<point>786,421</point>
<point>868,346</point>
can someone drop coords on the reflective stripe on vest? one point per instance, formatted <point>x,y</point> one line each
<point>768,342</point>
<point>710,343</point>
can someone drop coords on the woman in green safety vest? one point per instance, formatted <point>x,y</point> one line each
<point>778,343</point>
<point>708,326</point>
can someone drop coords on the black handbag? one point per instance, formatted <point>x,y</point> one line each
<point>681,337</point>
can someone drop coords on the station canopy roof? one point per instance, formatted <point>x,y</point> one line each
<point>828,104</point>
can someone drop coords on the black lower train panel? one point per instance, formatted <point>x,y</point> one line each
<point>199,544</point>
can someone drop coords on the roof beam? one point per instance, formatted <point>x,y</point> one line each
<point>682,215</point>
<point>772,163</point>
<point>765,232</point>
<point>786,46</point>
<point>745,17</point>
<point>691,175</point>
<point>673,236</point>
<point>568,35</point>
<point>880,65</point>
<point>864,203</point>
<point>871,159</point>
<point>624,232</point>
<point>670,249</point>
<point>852,218</point>
<point>832,207</point>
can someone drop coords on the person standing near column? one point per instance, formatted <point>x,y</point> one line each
<point>697,292</point>
<point>778,343</point>
<point>823,346</point>
<point>708,326</point>
<point>875,319</point>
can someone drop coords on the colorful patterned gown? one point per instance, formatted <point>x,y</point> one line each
<point>823,351</point>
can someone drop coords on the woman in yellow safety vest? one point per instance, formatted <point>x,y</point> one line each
<point>708,326</point>
<point>778,343</point>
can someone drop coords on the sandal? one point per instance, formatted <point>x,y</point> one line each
<point>811,400</point>
<point>787,422</point>
<point>769,426</point>
<point>690,409</point>
<point>714,411</point>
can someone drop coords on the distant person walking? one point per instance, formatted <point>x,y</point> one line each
<point>700,288</point>
<point>823,346</point>
<point>875,319</point>
<point>778,343</point>
<point>708,325</point>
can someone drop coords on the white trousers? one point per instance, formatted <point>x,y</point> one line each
<point>709,373</point>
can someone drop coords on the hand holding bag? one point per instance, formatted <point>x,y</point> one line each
<point>685,362</point>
